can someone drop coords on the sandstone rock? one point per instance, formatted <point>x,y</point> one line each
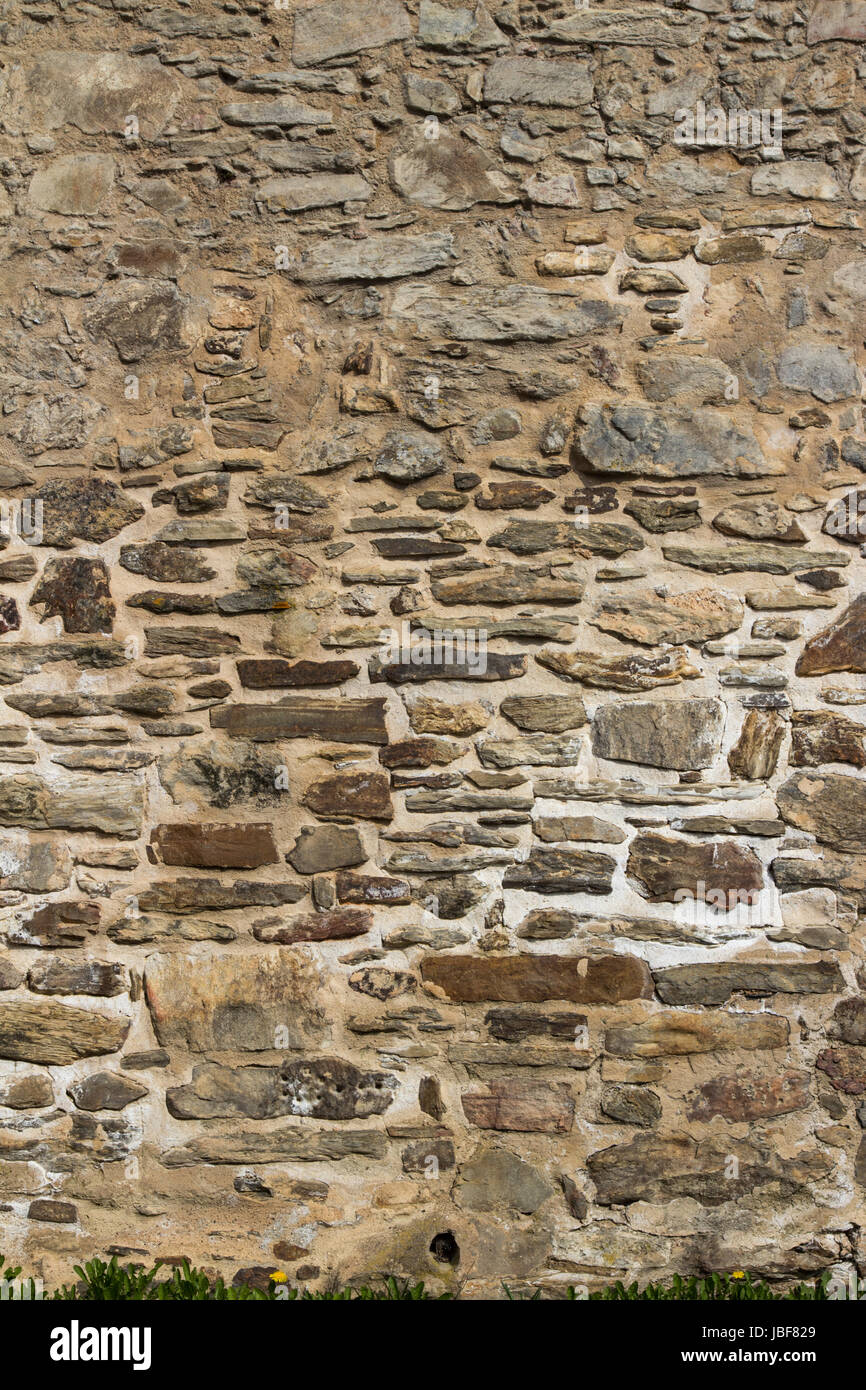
<point>819,736</point>
<point>325,1088</point>
<point>768,559</point>
<point>225,1002</point>
<point>681,1033</point>
<point>655,1169</point>
<point>756,753</point>
<point>562,871</point>
<point>447,173</point>
<point>141,319</point>
<point>760,521</point>
<point>749,1096</point>
<point>520,1106</point>
<point>515,313</point>
<point>715,983</point>
<point>346,721</point>
<point>57,1034</point>
<point>77,591</point>
<point>322,847</point>
<point>374,258</point>
<point>105,1090</point>
<point>348,795</point>
<point>495,1179</point>
<point>75,183</point>
<point>827,373</point>
<point>327,31</point>
<point>243,846</point>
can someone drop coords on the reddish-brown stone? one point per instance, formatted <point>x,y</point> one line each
<point>533,979</point>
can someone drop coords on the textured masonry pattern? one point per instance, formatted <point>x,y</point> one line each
<point>537,956</point>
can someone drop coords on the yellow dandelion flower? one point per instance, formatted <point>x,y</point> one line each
<point>738,1274</point>
<point>278,1277</point>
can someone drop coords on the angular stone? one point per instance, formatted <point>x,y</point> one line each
<point>328,30</point>
<point>630,27</point>
<point>87,509</point>
<point>221,775</point>
<point>759,521</point>
<point>659,1169</point>
<point>114,807</point>
<point>298,192</point>
<point>678,734</point>
<point>450,666</point>
<point>449,173</point>
<point>273,113</point>
<point>347,795</point>
<point>625,673</point>
<point>822,736</point>
<point>292,1144</point>
<point>549,714</point>
<point>335,925</point>
<point>538,82</point>
<point>678,1034</point>
<point>496,1180</point>
<point>714,983</point>
<point>741,555</point>
<point>226,1002</point>
<point>344,721</point>
<point>383,257</point>
<point>431,716</point>
<point>510,313</point>
<point>561,871</point>
<point>801,178</point>
<point>691,617</point>
<point>70,976</point>
<point>525,979</point>
<point>537,537</point>
<point>828,805</point>
<point>836,19</point>
<point>632,439</point>
<point>839,647</point>
<point>92,90</point>
<point>322,847</point>
<point>525,1107</point>
<point>247,845</point>
<point>631,1105</point>
<point>105,1090</point>
<point>845,1067</point>
<point>849,1021</point>
<point>57,1034</point>
<point>75,183</point>
<point>748,1096</point>
<point>37,866</point>
<point>755,754</point>
<point>31,1092</point>
<point>142,319</point>
<point>277,674</point>
<point>373,890</point>
<point>321,1088</point>
<point>533,750</point>
<point>827,372</point>
<point>77,591</point>
<point>166,563</point>
<point>669,870</point>
<point>508,584</point>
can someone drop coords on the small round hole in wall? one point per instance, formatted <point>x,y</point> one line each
<point>445,1249</point>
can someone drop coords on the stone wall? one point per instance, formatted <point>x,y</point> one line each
<point>432,742</point>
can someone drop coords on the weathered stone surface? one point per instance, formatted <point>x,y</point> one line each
<point>72,976</point>
<point>77,591</point>
<point>322,847</point>
<point>242,846</point>
<point>105,1090</point>
<point>748,1096</point>
<point>515,313</point>
<point>829,805</point>
<point>328,31</point>
<point>562,871</point>
<point>821,736</point>
<point>447,173</point>
<point>57,1034</point>
<point>631,439</point>
<point>225,1002</point>
<point>675,870</point>
<point>520,1106</point>
<point>767,559</point>
<point>346,721</point>
<point>755,754</point>
<point>654,1169</point>
<point>495,1179</point>
<point>374,258</point>
<point>533,979</point>
<point>716,982</point>
<point>336,925</point>
<point>679,1034</point>
<point>348,795</point>
<point>680,734</point>
<point>690,617</point>
<point>141,320</point>
<point>325,1088</point>
<point>88,509</point>
<point>839,647</point>
<point>625,673</point>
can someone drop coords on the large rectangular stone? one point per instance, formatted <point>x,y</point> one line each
<point>532,979</point>
<point>344,721</point>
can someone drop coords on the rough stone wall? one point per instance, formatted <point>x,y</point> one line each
<point>532,950</point>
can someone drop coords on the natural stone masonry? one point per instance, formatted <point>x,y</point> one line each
<point>433,638</point>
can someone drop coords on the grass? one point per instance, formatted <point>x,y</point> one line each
<point>99,1281</point>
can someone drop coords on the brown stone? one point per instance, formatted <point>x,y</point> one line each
<point>668,870</point>
<point>845,1067</point>
<point>714,983</point>
<point>755,754</point>
<point>535,978</point>
<point>335,925</point>
<point>524,1107</point>
<point>345,721</point>
<point>105,1090</point>
<point>347,795</point>
<point>677,1034</point>
<point>748,1096</point>
<point>829,805</point>
<point>823,736</point>
<point>278,674</point>
<point>839,647</point>
<point>57,1034</point>
<point>626,673</point>
<point>247,845</point>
